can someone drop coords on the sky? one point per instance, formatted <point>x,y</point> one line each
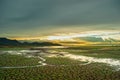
<point>31,18</point>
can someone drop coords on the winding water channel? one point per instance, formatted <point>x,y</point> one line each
<point>111,62</point>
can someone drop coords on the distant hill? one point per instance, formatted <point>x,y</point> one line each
<point>97,39</point>
<point>9,42</point>
<point>91,39</point>
<point>5,41</point>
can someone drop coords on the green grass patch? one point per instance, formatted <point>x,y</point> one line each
<point>76,72</point>
<point>62,61</point>
<point>17,60</point>
<point>99,52</point>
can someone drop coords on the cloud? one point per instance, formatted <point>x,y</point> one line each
<point>60,12</point>
<point>17,14</point>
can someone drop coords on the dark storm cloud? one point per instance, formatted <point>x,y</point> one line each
<point>18,14</point>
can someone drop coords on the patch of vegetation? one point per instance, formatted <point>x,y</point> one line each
<point>95,51</point>
<point>93,71</point>
<point>76,72</point>
<point>61,61</point>
<point>17,60</point>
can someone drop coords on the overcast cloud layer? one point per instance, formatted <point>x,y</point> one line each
<point>26,16</point>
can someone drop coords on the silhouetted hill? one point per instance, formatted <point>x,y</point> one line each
<point>92,39</point>
<point>8,42</point>
<point>97,39</point>
<point>41,44</point>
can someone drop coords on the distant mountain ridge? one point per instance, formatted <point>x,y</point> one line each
<point>9,42</point>
<point>97,39</point>
<point>5,41</point>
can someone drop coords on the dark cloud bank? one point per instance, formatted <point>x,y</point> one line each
<point>29,14</point>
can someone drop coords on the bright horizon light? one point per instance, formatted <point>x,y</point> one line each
<point>103,34</point>
<point>70,36</point>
